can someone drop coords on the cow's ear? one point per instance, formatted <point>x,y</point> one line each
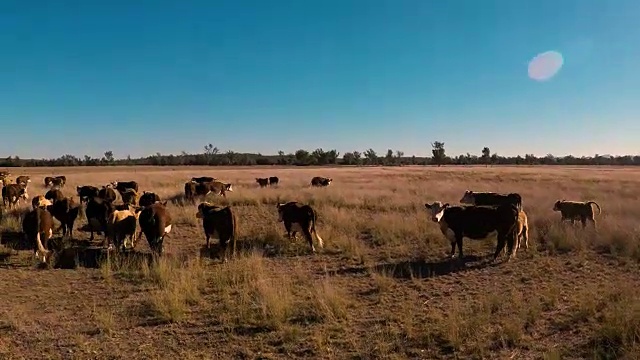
<point>164,203</point>
<point>427,205</point>
<point>445,206</point>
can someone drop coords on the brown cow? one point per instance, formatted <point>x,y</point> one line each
<point>37,227</point>
<point>123,224</point>
<point>155,222</point>
<point>321,181</point>
<point>218,222</point>
<point>122,186</point>
<point>23,179</point>
<point>40,201</point>
<point>54,195</point>
<point>130,197</point>
<point>12,193</point>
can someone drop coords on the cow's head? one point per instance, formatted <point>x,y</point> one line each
<point>113,184</point>
<point>436,210</point>
<point>279,206</point>
<point>468,198</point>
<point>228,187</point>
<point>41,201</point>
<point>557,205</point>
<point>24,194</point>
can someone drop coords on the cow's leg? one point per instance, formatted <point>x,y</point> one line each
<point>459,243</point>
<point>500,246</point>
<point>70,229</point>
<point>307,235</point>
<point>223,247</point>
<point>583,220</point>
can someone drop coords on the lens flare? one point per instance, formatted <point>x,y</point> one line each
<point>545,65</point>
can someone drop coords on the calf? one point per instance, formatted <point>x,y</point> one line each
<point>155,222</point>
<point>476,222</point>
<point>148,198</point>
<point>491,199</point>
<point>59,181</point>
<point>203,179</point>
<point>37,227</point>
<point>54,195</point>
<point>66,211</point>
<point>577,210</point>
<point>86,192</point>
<point>12,193</point>
<point>263,182</point>
<point>273,180</point>
<point>321,181</point>
<point>299,218</point>
<point>220,223</point>
<point>218,188</point>
<point>129,197</point>
<point>121,186</point>
<point>40,201</point>
<point>123,224</point>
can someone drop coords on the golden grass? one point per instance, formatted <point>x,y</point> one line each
<point>381,288</point>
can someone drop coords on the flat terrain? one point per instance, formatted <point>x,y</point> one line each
<point>381,287</point>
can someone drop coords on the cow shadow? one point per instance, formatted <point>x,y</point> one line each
<point>14,240</point>
<point>420,269</point>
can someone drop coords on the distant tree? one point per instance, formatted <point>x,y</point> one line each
<point>486,154</point>
<point>439,155</point>
<point>357,157</point>
<point>371,157</point>
<point>302,157</point>
<point>108,157</point>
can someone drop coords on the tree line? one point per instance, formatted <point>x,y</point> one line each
<point>212,156</point>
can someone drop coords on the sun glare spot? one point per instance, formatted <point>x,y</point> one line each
<point>545,65</point>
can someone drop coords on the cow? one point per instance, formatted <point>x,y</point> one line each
<point>577,210</point>
<point>263,182</point>
<point>66,211</point>
<point>86,192</point>
<point>37,227</point>
<point>148,198</point>
<point>130,197</point>
<point>203,179</point>
<point>218,222</point>
<point>54,195</point>
<point>476,222</point>
<point>190,188</point>
<point>4,174</point>
<point>123,224</point>
<point>23,179</point>
<point>121,186</point>
<point>98,209</point>
<point>320,181</point>
<point>12,193</point>
<point>55,180</point>
<point>58,182</point>
<point>523,230</point>
<point>219,188</point>
<point>155,222</point>
<point>40,201</point>
<point>491,199</point>
<point>299,218</point>
<point>108,194</point>
<point>273,180</point>
<point>6,181</point>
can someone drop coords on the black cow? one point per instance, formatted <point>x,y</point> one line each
<point>98,209</point>
<point>320,181</point>
<point>273,180</point>
<point>66,211</point>
<point>299,218</point>
<point>218,222</point>
<point>476,222</point>
<point>263,182</point>
<point>148,198</point>
<point>203,179</point>
<point>491,199</point>
<point>86,192</point>
<point>54,195</point>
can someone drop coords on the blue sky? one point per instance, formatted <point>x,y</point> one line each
<point>139,77</point>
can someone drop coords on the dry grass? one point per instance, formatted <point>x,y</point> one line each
<point>381,288</point>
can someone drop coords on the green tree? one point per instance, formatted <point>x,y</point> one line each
<point>439,155</point>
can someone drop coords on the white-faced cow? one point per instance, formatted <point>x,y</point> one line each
<point>476,222</point>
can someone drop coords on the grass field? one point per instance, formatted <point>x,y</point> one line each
<point>381,288</point>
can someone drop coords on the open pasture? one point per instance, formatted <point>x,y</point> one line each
<point>382,287</point>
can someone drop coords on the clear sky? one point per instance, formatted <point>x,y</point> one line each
<point>146,76</point>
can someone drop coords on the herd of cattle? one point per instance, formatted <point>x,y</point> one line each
<point>117,209</point>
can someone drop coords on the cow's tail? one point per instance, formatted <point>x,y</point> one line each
<point>314,219</point>
<point>41,248</point>
<point>596,204</point>
<point>233,234</point>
